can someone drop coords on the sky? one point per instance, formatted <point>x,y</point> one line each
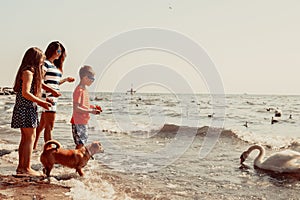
<point>254,45</point>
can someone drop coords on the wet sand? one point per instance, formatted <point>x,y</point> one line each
<point>30,188</point>
<point>13,187</point>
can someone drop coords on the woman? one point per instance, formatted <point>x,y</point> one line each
<point>28,84</point>
<point>53,68</point>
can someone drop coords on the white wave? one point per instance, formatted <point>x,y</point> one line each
<point>89,187</point>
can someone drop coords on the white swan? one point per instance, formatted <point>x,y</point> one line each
<point>287,161</point>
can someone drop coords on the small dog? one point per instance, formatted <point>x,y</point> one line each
<point>72,158</point>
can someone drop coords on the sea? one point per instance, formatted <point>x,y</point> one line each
<point>171,146</point>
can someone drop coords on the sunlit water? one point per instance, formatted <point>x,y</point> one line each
<point>154,146</point>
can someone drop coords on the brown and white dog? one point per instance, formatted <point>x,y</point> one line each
<point>72,158</point>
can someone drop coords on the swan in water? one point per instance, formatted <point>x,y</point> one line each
<point>286,161</point>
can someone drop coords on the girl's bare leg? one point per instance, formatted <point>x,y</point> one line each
<point>39,129</point>
<point>25,152</point>
<point>49,124</point>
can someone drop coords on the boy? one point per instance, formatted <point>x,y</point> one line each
<point>82,107</point>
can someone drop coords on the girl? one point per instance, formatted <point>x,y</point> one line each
<point>55,56</point>
<point>28,84</point>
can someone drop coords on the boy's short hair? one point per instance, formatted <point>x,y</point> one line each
<point>86,71</point>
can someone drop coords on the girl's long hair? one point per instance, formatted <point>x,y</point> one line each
<point>31,61</point>
<point>51,49</point>
<point>60,61</point>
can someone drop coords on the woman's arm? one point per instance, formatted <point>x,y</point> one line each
<point>27,77</point>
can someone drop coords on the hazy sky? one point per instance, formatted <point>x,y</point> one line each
<point>255,45</point>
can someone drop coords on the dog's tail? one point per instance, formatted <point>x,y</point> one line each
<point>50,142</point>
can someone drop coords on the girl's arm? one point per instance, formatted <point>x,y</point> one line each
<point>27,77</point>
<point>68,79</point>
<point>49,89</point>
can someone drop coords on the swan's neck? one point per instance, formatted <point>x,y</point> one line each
<point>259,159</point>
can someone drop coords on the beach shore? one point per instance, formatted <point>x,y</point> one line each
<point>30,188</point>
<point>23,188</point>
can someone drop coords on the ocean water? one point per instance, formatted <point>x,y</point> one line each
<point>167,146</point>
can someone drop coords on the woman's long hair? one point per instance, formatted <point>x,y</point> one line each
<point>31,61</point>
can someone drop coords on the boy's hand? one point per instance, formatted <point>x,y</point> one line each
<point>98,108</point>
<point>95,112</point>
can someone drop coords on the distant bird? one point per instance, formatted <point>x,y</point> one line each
<point>278,113</point>
<point>269,109</point>
<point>210,115</point>
<point>250,103</point>
<point>246,124</point>
<point>290,117</point>
<point>274,120</point>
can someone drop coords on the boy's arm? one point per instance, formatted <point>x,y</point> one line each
<point>77,108</point>
<point>77,98</point>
